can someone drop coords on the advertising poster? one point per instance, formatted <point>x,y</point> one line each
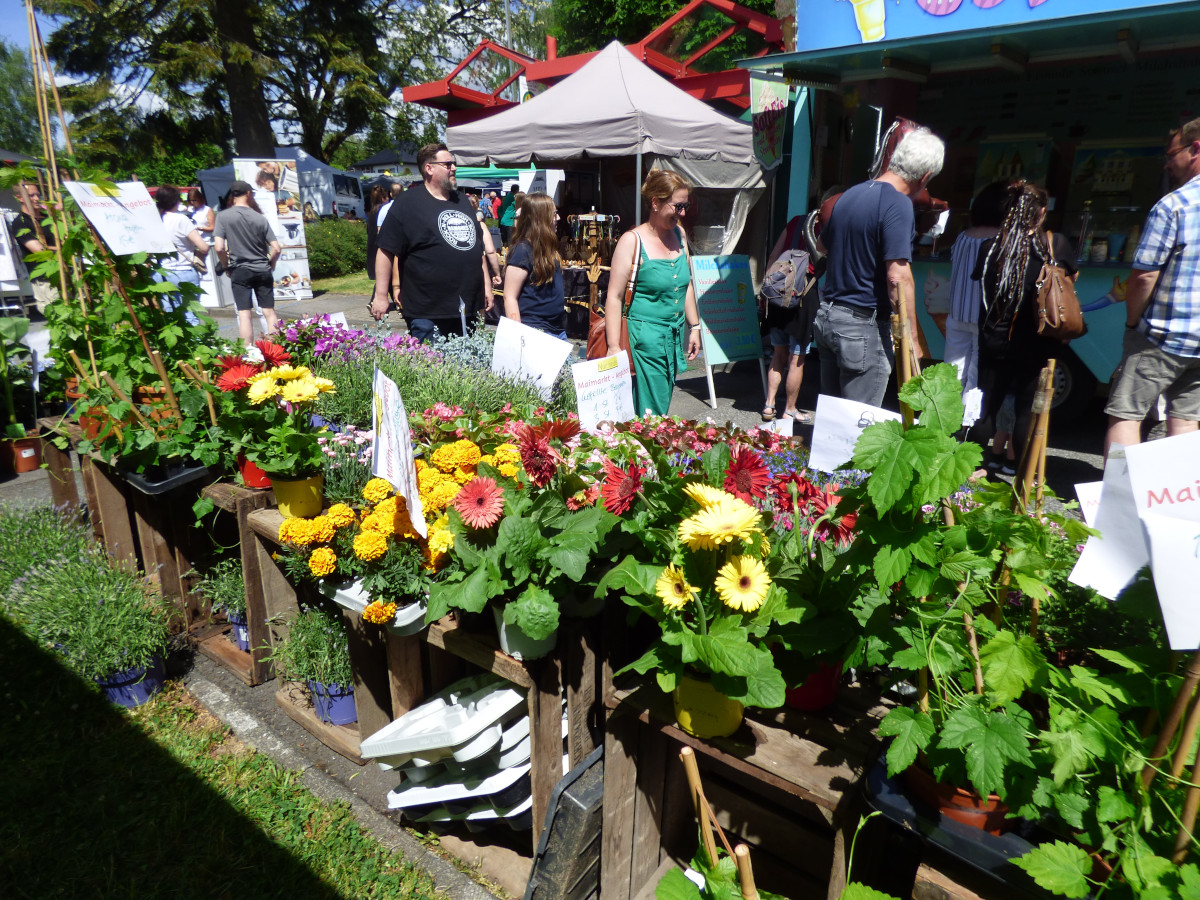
<point>124,214</point>
<point>768,115</point>
<point>728,312</point>
<point>277,193</point>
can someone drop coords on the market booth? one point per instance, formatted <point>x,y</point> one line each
<point>1075,95</point>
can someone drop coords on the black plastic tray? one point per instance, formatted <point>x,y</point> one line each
<point>159,480</point>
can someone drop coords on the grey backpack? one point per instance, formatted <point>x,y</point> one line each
<point>784,284</point>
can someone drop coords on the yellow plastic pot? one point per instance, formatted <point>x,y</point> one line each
<point>703,711</point>
<point>298,498</point>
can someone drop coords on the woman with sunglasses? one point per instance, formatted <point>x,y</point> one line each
<point>533,282</point>
<point>663,317</point>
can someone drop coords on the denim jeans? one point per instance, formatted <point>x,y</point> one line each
<point>424,329</point>
<point>170,302</point>
<point>856,352</point>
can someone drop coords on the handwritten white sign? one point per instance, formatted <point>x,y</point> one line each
<point>1109,562</point>
<point>1089,500</point>
<point>529,354</point>
<point>392,455</point>
<point>124,214</point>
<point>837,427</point>
<point>604,390</point>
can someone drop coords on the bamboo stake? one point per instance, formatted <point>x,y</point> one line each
<point>745,872</point>
<point>973,645</point>
<point>122,396</point>
<point>199,379</point>
<point>1183,748</point>
<point>1191,678</point>
<point>156,361</point>
<point>903,373</point>
<point>1045,428</point>
<point>693,776</point>
<point>82,372</point>
<point>1191,805</point>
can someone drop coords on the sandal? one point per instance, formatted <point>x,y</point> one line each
<point>801,417</point>
<point>768,414</point>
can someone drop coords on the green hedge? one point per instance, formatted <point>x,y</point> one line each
<point>336,247</point>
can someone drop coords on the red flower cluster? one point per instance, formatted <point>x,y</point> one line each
<point>480,502</point>
<point>781,490</point>
<point>539,457</point>
<point>746,476</point>
<point>236,372</point>
<point>620,486</point>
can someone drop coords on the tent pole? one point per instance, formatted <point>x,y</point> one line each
<point>637,187</point>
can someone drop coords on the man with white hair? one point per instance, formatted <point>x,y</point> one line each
<point>869,238</point>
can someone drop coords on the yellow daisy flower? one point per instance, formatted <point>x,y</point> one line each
<point>369,545</point>
<point>376,489</point>
<point>379,613</point>
<point>673,589</point>
<point>742,583</point>
<point>341,515</point>
<point>322,562</point>
<point>262,387</point>
<point>705,495</point>
<point>324,385</point>
<point>727,521</point>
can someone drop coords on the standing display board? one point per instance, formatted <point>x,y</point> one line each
<point>124,214</point>
<point>277,193</point>
<point>728,314</point>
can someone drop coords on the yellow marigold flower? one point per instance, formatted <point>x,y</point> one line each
<point>443,494</point>
<point>437,550</point>
<point>672,588</point>
<point>341,515</point>
<point>287,372</point>
<point>369,545</point>
<point>388,507</point>
<point>463,475</point>
<point>321,529</point>
<point>456,455</point>
<point>379,613</point>
<point>322,562</point>
<point>377,523</point>
<point>300,390</point>
<point>376,489</point>
<point>742,583</point>
<point>507,454</point>
<point>420,465</point>
<point>296,531</point>
<point>487,458</point>
<point>262,387</point>
<point>508,470</point>
<point>727,521</point>
<point>705,495</point>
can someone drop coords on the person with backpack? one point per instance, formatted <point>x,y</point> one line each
<point>787,315</point>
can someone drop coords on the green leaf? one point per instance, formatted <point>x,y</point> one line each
<point>570,553</point>
<point>471,594</point>
<point>630,576</point>
<point>948,471</point>
<point>990,740</point>
<point>1113,805</point>
<point>1189,882</point>
<point>892,461</point>
<point>937,394</point>
<point>1098,687</point>
<point>856,891</point>
<point>912,730</point>
<point>1071,808</point>
<point>519,541</point>
<point>1058,867</point>
<point>676,886</point>
<point>535,612</point>
<point>714,462</point>
<point>1011,664</point>
<point>891,564</point>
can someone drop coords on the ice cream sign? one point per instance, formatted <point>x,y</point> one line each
<point>844,23</point>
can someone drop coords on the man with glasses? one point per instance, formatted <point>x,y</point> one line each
<point>1161,352</point>
<point>433,234</point>
<point>25,233</point>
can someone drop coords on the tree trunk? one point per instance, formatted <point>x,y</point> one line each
<point>252,134</point>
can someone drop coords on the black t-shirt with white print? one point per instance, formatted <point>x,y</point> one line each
<point>440,248</point>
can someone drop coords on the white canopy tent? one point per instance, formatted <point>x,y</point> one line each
<point>616,106</point>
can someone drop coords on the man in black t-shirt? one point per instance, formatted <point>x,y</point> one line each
<point>26,236</point>
<point>434,235</point>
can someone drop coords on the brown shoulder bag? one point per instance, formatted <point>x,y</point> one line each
<point>1059,315</point>
<point>597,340</point>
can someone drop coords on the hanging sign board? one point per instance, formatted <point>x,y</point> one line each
<point>277,193</point>
<point>124,214</point>
<point>604,390</point>
<point>768,115</point>
<point>392,450</point>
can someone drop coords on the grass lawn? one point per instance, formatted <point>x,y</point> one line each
<point>357,283</point>
<point>161,802</point>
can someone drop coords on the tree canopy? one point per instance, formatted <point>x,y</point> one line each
<point>585,25</point>
<point>18,110</point>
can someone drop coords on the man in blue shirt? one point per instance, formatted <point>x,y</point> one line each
<point>1161,353</point>
<point>869,239</point>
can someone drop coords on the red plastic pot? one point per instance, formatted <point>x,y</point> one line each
<point>252,475</point>
<point>20,455</point>
<point>988,814</point>
<point>818,691</point>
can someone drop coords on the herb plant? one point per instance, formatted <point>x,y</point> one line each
<point>223,585</point>
<point>315,648</point>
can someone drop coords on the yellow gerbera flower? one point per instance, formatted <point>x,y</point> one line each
<point>287,372</point>
<point>341,515</point>
<point>379,613</point>
<point>324,385</point>
<point>376,489</point>
<point>322,562</point>
<point>299,390</point>
<point>727,521</point>
<point>262,387</point>
<point>705,495</point>
<point>369,545</point>
<point>673,589</point>
<point>742,583</point>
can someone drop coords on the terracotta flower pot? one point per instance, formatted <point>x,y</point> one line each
<point>703,711</point>
<point>20,455</point>
<point>818,691</point>
<point>967,807</point>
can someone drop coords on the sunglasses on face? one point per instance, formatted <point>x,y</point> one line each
<point>449,165</point>
<point>682,208</point>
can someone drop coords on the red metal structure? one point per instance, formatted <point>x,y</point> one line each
<point>704,67</point>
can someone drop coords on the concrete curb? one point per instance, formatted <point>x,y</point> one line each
<point>257,734</point>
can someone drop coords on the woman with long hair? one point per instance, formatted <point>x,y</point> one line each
<point>190,248</point>
<point>533,281</point>
<point>663,315</point>
<point>376,199</point>
<point>1011,352</point>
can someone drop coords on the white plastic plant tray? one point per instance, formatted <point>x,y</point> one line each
<point>481,813</point>
<point>442,726</point>
<point>513,749</point>
<point>351,595</point>
<point>451,786</point>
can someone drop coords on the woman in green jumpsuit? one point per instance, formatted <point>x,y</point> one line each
<point>663,317</point>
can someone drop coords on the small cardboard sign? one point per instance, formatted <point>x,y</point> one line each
<point>837,427</point>
<point>604,390</point>
<point>1089,500</point>
<point>124,214</point>
<point>530,354</point>
<point>1110,561</point>
<point>392,451</point>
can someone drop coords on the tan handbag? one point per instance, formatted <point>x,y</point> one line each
<point>597,340</point>
<point>1059,314</point>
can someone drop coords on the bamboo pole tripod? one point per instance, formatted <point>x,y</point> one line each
<point>710,830</point>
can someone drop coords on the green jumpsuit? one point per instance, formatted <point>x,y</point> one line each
<point>656,331</point>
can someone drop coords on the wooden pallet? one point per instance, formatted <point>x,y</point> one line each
<point>293,700</point>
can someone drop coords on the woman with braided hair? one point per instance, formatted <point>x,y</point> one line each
<point>1011,352</point>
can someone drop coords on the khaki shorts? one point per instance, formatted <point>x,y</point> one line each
<point>1146,372</point>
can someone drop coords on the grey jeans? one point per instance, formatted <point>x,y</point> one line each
<point>856,352</point>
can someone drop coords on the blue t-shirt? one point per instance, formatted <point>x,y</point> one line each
<point>542,306</point>
<point>870,224</point>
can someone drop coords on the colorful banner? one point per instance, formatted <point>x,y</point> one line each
<point>728,312</point>
<point>392,449</point>
<point>768,112</point>
<point>124,214</point>
<point>844,23</point>
<point>277,193</point>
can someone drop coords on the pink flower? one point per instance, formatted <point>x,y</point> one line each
<point>480,502</point>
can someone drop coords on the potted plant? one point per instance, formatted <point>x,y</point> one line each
<point>20,445</point>
<point>314,652</point>
<point>224,587</point>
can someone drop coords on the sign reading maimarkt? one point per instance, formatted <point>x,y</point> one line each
<point>844,23</point>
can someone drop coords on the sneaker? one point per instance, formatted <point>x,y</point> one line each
<point>1007,468</point>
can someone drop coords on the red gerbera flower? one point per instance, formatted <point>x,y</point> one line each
<point>537,456</point>
<point>746,476</point>
<point>840,529</point>
<point>228,362</point>
<point>480,502</point>
<point>237,377</point>
<point>580,499</point>
<point>781,487</point>
<point>620,487</point>
<point>273,353</point>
